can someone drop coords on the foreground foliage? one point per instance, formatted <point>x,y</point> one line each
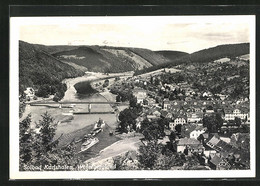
<point>38,150</point>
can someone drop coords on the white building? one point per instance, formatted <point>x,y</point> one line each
<point>166,104</point>
<point>231,115</point>
<point>172,125</point>
<point>196,132</point>
<point>140,94</point>
<point>29,93</point>
<point>179,120</point>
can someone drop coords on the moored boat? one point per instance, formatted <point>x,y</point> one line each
<point>99,124</point>
<point>90,141</point>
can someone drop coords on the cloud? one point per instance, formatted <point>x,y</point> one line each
<point>188,36</point>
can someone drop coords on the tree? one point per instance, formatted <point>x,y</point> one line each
<point>43,91</point>
<point>213,122</point>
<point>191,162</point>
<point>58,96</point>
<point>210,123</point>
<point>180,78</point>
<point>172,96</point>
<point>38,147</point>
<point>156,81</point>
<point>237,121</point>
<point>172,136</point>
<point>106,83</point>
<point>154,156</point>
<point>148,155</point>
<point>178,128</point>
<point>47,128</point>
<point>152,130</point>
<point>132,101</point>
<point>25,140</point>
<point>118,98</point>
<point>127,118</point>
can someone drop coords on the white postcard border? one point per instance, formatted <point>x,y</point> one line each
<point>16,22</point>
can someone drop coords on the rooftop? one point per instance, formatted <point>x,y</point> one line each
<point>188,141</point>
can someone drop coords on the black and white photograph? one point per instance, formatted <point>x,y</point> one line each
<point>132,97</point>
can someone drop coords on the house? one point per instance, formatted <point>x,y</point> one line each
<point>213,141</point>
<point>209,151</point>
<point>179,120</point>
<point>166,104</point>
<point>239,113</point>
<point>29,93</point>
<point>151,117</point>
<point>194,117</point>
<point>191,144</point>
<point>192,131</point>
<point>203,138</point>
<point>205,94</point>
<point>225,149</point>
<point>140,94</point>
<point>221,96</point>
<point>197,109</point>
<point>209,110</point>
<point>172,125</point>
<point>197,131</point>
<point>150,101</point>
<point>165,114</point>
<point>219,163</point>
<point>163,140</point>
<point>157,113</point>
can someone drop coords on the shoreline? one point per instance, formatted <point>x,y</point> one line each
<point>122,146</point>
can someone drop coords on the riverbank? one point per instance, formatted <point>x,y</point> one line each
<point>71,127</point>
<point>104,161</point>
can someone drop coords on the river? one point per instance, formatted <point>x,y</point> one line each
<point>68,124</point>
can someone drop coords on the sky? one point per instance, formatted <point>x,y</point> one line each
<point>161,33</point>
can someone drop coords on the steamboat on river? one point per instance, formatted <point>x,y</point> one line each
<point>90,139</point>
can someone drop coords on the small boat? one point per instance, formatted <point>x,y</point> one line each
<point>96,131</point>
<point>89,143</point>
<point>99,124</point>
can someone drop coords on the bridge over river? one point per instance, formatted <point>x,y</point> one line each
<point>76,102</point>
<point>72,104</point>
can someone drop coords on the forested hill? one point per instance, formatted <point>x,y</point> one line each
<point>112,59</point>
<point>51,49</point>
<point>38,68</point>
<point>204,56</point>
<point>171,55</point>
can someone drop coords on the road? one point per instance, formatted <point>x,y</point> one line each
<point>118,148</point>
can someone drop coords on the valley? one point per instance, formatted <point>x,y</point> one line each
<point>150,101</point>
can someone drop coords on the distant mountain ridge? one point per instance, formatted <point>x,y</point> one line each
<point>171,55</point>
<point>112,59</point>
<point>204,56</point>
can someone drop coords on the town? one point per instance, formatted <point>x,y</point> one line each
<point>188,116</point>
